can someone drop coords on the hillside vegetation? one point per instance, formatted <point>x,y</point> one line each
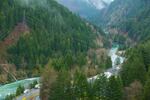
<point>54,32</point>
<point>35,33</point>
<point>129,16</point>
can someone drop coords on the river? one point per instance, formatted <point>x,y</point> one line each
<point>114,70</point>
<point>11,88</point>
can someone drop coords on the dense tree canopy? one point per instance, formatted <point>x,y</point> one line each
<point>54,33</point>
<point>133,69</point>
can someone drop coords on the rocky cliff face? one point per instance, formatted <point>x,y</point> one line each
<point>100,4</point>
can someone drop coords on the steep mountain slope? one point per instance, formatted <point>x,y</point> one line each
<point>129,16</point>
<point>53,32</point>
<point>120,10</point>
<point>100,4</point>
<point>81,7</point>
<point>88,9</point>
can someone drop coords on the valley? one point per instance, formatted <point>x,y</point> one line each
<point>11,88</point>
<point>74,50</point>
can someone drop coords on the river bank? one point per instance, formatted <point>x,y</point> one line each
<point>11,88</point>
<point>115,69</point>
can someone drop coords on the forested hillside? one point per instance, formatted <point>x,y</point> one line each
<point>34,33</point>
<point>136,71</point>
<point>87,9</point>
<point>130,17</point>
<point>41,38</point>
<point>80,7</point>
<point>132,83</point>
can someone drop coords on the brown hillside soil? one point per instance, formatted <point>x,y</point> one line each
<point>19,30</point>
<point>13,37</point>
<point>16,33</point>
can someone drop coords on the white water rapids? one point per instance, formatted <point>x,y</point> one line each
<point>11,88</point>
<point>114,70</point>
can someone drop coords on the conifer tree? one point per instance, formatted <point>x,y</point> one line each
<point>133,69</point>
<point>100,88</point>
<point>146,55</point>
<point>61,88</point>
<point>146,95</point>
<point>108,63</point>
<point>115,88</point>
<point>81,86</point>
